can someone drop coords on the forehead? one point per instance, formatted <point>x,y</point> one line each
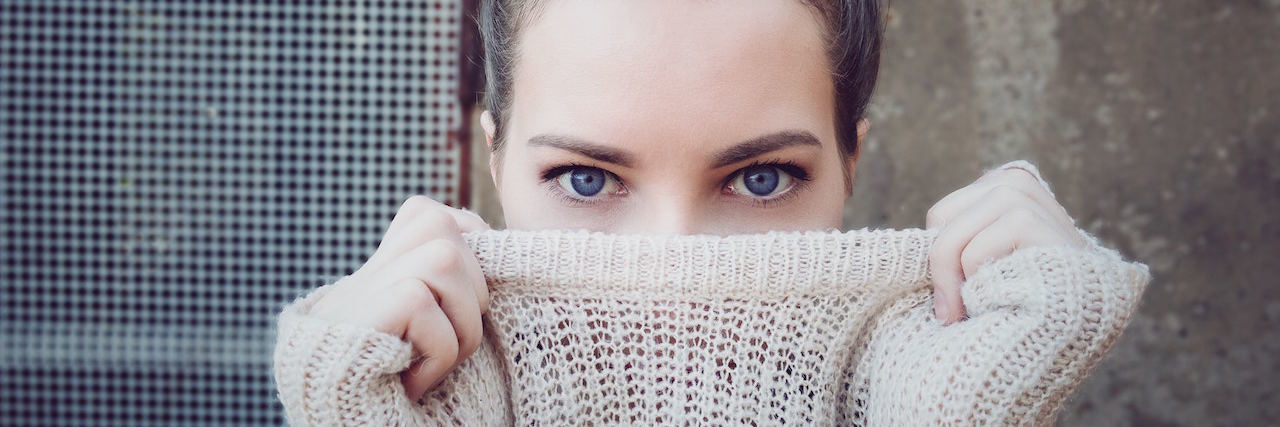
<point>627,72</point>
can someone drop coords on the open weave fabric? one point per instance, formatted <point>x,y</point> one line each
<point>796,328</point>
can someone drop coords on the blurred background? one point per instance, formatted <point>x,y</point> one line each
<point>176,171</point>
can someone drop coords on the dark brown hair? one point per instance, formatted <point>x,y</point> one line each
<point>854,31</point>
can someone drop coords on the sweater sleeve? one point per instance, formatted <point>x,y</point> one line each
<point>339,374</point>
<point>1039,320</point>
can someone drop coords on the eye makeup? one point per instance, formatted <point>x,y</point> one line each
<point>791,177</point>
<point>562,182</point>
<point>559,182</point>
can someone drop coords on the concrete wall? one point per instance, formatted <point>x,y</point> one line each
<point>1158,125</point>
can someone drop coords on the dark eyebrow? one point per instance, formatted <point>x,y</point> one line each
<point>764,144</point>
<point>590,149</point>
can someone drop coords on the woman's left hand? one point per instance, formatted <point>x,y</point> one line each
<point>1007,208</point>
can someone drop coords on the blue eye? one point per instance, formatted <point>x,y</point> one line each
<point>761,181</point>
<point>587,181</point>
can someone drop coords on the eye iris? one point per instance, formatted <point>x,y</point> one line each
<point>587,182</point>
<point>761,180</point>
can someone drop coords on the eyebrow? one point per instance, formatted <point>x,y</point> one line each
<point>590,149</point>
<point>763,145</point>
<point>740,152</point>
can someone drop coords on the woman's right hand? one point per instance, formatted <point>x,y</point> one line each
<point>423,284</point>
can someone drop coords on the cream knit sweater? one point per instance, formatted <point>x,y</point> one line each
<point>824,328</point>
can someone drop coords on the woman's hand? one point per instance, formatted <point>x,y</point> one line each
<point>423,284</point>
<point>1007,208</point>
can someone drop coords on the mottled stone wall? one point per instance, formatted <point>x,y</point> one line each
<point>1158,125</point>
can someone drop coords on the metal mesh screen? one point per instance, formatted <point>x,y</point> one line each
<point>175,171</point>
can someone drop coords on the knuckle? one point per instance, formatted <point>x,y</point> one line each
<point>416,293</point>
<point>444,255</point>
<point>440,221</point>
<point>414,203</point>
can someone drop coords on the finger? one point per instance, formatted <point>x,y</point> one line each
<point>415,205</point>
<point>435,348</point>
<point>431,224</point>
<point>467,220</point>
<point>944,255</point>
<point>960,200</point>
<point>1015,229</point>
<point>1018,175</point>
<point>437,225</point>
<point>440,264</point>
<point>408,210</point>
<point>950,205</point>
<point>404,217</point>
<point>405,214</point>
<point>1029,168</point>
<point>466,262</point>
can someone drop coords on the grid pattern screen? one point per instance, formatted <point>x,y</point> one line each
<point>176,171</point>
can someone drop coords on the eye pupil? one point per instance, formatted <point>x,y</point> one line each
<point>761,180</point>
<point>587,182</point>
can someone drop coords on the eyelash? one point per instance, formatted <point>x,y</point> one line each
<point>800,181</point>
<point>798,173</point>
<point>553,188</point>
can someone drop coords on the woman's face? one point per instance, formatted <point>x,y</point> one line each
<point>676,117</point>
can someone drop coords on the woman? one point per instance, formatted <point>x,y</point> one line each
<point>669,117</point>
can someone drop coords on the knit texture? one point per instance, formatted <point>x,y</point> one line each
<point>797,327</point>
